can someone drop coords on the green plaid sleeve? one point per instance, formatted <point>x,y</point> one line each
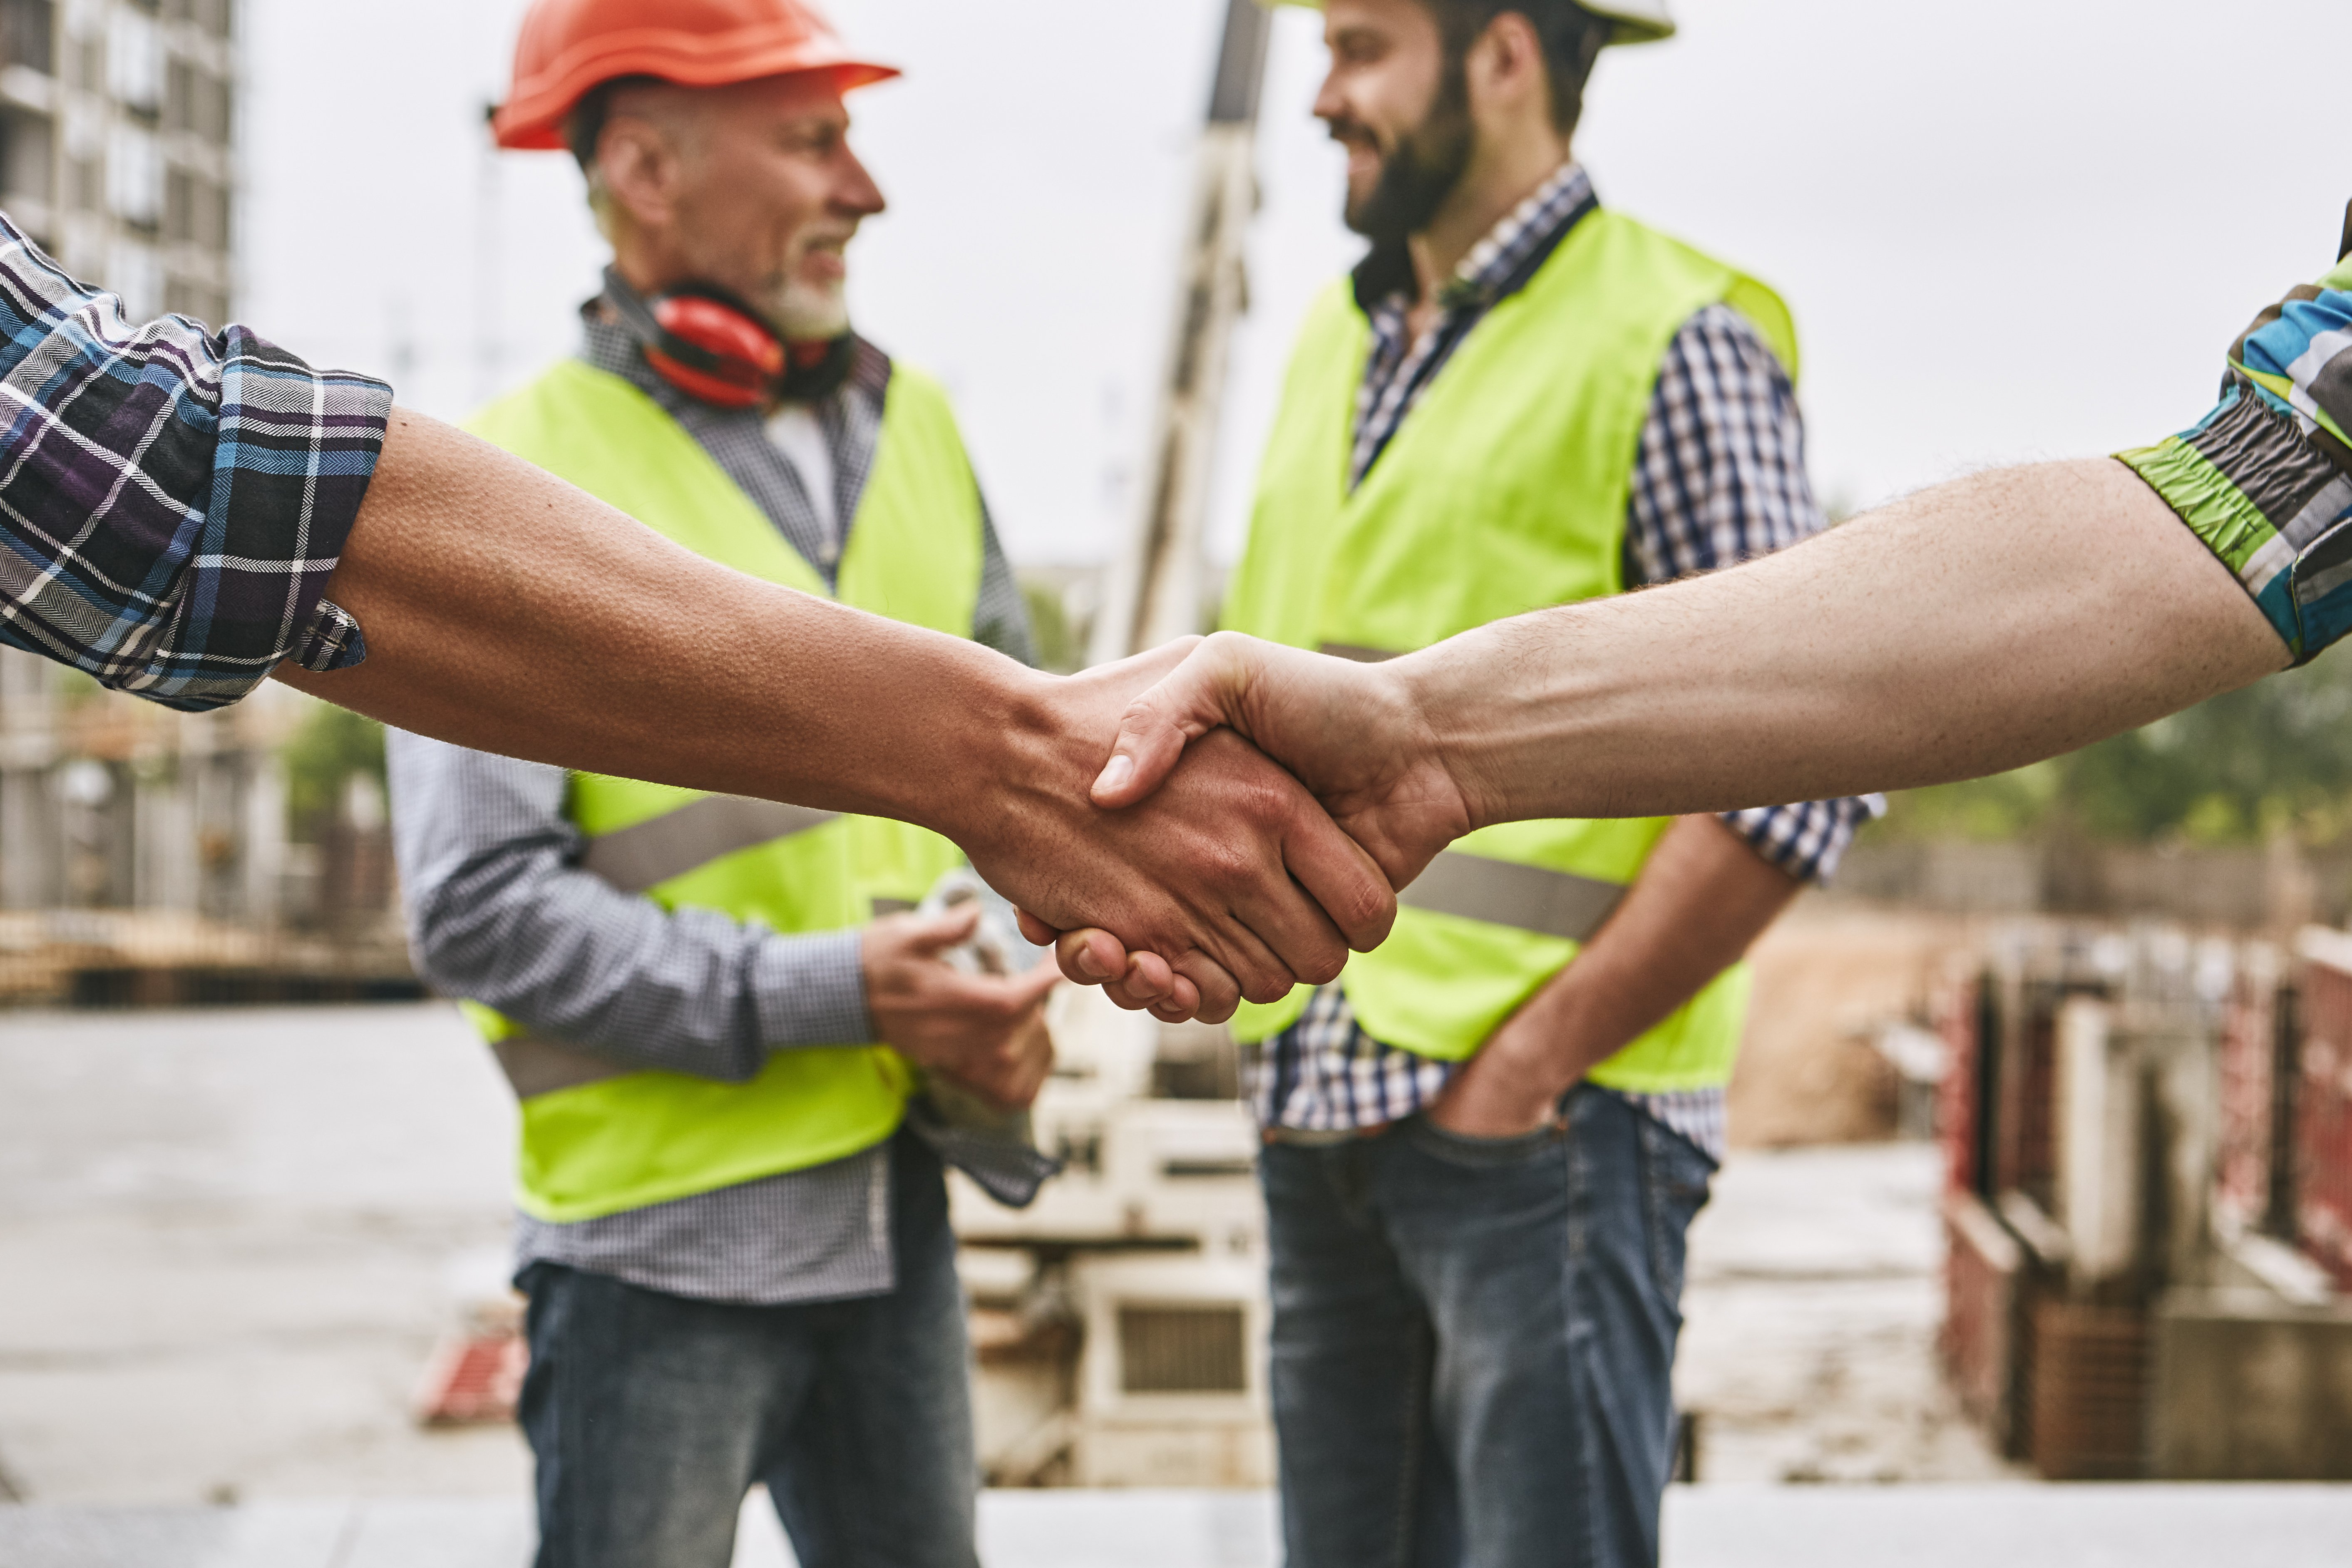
<point>2265,480</point>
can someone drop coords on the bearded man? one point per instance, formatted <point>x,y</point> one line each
<point>1484,1143</point>
<point>716,1011</point>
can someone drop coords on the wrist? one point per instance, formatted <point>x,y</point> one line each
<point>1542,1049</point>
<point>996,734</point>
<point>1442,710</point>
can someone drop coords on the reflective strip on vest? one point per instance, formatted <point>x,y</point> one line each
<point>632,860</point>
<point>643,854</point>
<point>1506,892</point>
<point>536,1065</point>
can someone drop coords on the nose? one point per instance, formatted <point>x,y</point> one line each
<point>854,193</point>
<point>1331,103</point>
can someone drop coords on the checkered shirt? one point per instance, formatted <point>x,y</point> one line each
<point>500,911</point>
<point>173,500</point>
<point>1719,477</point>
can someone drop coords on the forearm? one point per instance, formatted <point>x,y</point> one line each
<point>1974,627</point>
<point>506,611</point>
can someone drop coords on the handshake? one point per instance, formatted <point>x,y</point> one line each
<point>1248,826</point>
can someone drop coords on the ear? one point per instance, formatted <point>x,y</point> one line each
<point>640,167</point>
<point>1506,67</point>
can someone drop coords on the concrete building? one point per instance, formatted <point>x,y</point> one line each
<point>118,144</point>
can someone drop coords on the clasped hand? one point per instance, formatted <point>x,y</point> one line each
<point>1266,875</point>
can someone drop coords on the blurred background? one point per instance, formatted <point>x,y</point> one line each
<point>2045,1161</point>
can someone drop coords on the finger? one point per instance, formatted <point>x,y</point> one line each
<point>1029,987</point>
<point>1033,931</point>
<point>1090,957</point>
<point>1341,877</point>
<point>1147,983</point>
<point>1216,992</point>
<point>1198,695</point>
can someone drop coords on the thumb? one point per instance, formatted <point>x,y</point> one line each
<point>943,929</point>
<point>1195,697</point>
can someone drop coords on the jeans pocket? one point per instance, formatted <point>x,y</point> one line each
<point>1481,1153</point>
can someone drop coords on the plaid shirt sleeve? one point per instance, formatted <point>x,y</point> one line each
<point>1720,479</point>
<point>171,502</point>
<point>2265,480</point>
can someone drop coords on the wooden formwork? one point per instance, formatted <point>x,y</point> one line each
<point>2087,1368</point>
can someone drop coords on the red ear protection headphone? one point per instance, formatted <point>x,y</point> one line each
<point>711,346</point>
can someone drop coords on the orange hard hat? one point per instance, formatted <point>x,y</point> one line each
<point>569,47</point>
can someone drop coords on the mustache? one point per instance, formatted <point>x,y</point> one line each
<point>1349,131</point>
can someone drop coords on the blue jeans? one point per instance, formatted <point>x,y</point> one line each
<point>651,1415</point>
<point>1473,1341</point>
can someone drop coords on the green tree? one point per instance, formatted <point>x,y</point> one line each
<point>320,756</point>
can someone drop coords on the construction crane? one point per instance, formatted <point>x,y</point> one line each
<point>1154,590</point>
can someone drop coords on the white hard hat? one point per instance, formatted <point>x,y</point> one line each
<point>1638,21</point>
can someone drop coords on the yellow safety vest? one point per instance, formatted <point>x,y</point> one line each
<point>1504,490</point>
<point>597,1138</point>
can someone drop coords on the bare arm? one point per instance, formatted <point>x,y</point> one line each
<point>1973,627</point>
<point>1703,896</point>
<point>1977,626</point>
<point>505,611</point>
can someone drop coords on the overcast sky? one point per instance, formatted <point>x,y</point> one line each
<point>2010,229</point>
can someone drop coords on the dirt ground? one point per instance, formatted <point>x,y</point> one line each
<point>1826,977</point>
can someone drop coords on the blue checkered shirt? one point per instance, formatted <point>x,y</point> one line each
<point>173,500</point>
<point>1719,477</point>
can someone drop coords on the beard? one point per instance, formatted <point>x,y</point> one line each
<point>1420,173</point>
<point>805,312</point>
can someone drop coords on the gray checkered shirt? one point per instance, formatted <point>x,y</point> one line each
<point>500,911</point>
<point>1719,477</point>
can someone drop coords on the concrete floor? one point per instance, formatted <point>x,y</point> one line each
<point>229,1241</point>
<point>1706,1527</point>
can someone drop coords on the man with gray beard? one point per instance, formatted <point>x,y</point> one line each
<point>717,1012</point>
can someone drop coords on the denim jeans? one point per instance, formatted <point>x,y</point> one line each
<point>1473,1341</point>
<point>651,1415</point>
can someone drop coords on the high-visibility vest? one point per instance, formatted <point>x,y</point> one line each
<point>598,1138</point>
<point>1504,490</point>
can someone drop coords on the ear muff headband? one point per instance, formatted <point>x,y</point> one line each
<point>710,347</point>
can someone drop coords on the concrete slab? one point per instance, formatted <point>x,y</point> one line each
<point>1706,1527</point>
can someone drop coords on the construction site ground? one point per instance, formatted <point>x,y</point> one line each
<point>231,1239</point>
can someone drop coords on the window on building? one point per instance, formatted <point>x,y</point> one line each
<point>135,53</point>
<point>135,271</point>
<point>214,109</point>
<point>179,96</point>
<point>25,33</point>
<point>184,297</point>
<point>135,175</point>
<point>25,143</point>
<point>179,206</point>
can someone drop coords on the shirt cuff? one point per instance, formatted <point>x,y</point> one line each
<point>1807,839</point>
<point>2267,500</point>
<point>297,451</point>
<point>811,991</point>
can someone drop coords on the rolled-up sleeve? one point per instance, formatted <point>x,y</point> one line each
<point>173,500</point>
<point>2265,480</point>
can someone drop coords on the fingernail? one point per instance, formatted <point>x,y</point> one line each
<point>1091,967</point>
<point>1115,776</point>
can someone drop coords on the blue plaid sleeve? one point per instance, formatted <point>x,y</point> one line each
<point>2265,480</point>
<point>1720,478</point>
<point>173,500</point>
